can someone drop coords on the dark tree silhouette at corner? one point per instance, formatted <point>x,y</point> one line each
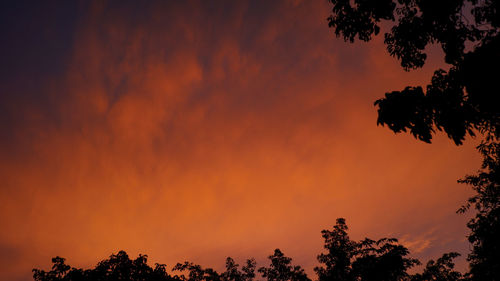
<point>485,226</point>
<point>463,100</point>
<point>457,101</point>
<point>366,260</point>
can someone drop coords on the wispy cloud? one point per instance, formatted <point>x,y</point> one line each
<point>197,130</point>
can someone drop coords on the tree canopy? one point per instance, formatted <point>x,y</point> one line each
<point>281,269</point>
<point>459,100</point>
<point>118,267</point>
<point>344,260</point>
<point>370,260</point>
<point>485,225</point>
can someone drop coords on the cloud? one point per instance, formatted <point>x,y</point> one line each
<point>418,244</point>
<point>198,130</point>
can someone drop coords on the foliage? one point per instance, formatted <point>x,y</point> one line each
<point>440,270</point>
<point>459,101</point>
<point>485,226</point>
<point>196,272</point>
<point>232,273</point>
<point>344,260</point>
<point>118,267</point>
<point>366,260</point>
<point>281,269</point>
<point>340,251</point>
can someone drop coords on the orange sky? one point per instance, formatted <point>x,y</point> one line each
<point>195,131</point>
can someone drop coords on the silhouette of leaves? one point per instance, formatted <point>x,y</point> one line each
<point>281,269</point>
<point>370,260</point>
<point>458,101</point>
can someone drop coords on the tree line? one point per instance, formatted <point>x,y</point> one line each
<point>343,259</point>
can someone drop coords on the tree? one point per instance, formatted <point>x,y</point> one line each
<point>344,260</point>
<point>340,251</point>
<point>59,271</point>
<point>196,272</point>
<point>120,267</point>
<point>485,226</point>
<point>232,273</point>
<point>460,101</point>
<point>440,270</point>
<point>117,268</point>
<point>281,269</point>
<point>366,260</point>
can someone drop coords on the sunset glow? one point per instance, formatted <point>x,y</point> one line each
<point>188,130</point>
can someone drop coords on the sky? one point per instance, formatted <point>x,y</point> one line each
<point>197,130</point>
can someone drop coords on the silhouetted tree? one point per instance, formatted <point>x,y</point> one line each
<point>464,98</point>
<point>485,226</point>
<point>58,272</point>
<point>196,272</point>
<point>340,252</point>
<point>367,260</point>
<point>440,270</point>
<point>459,101</point>
<point>281,269</point>
<point>232,272</point>
<point>118,267</point>
<point>344,260</point>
